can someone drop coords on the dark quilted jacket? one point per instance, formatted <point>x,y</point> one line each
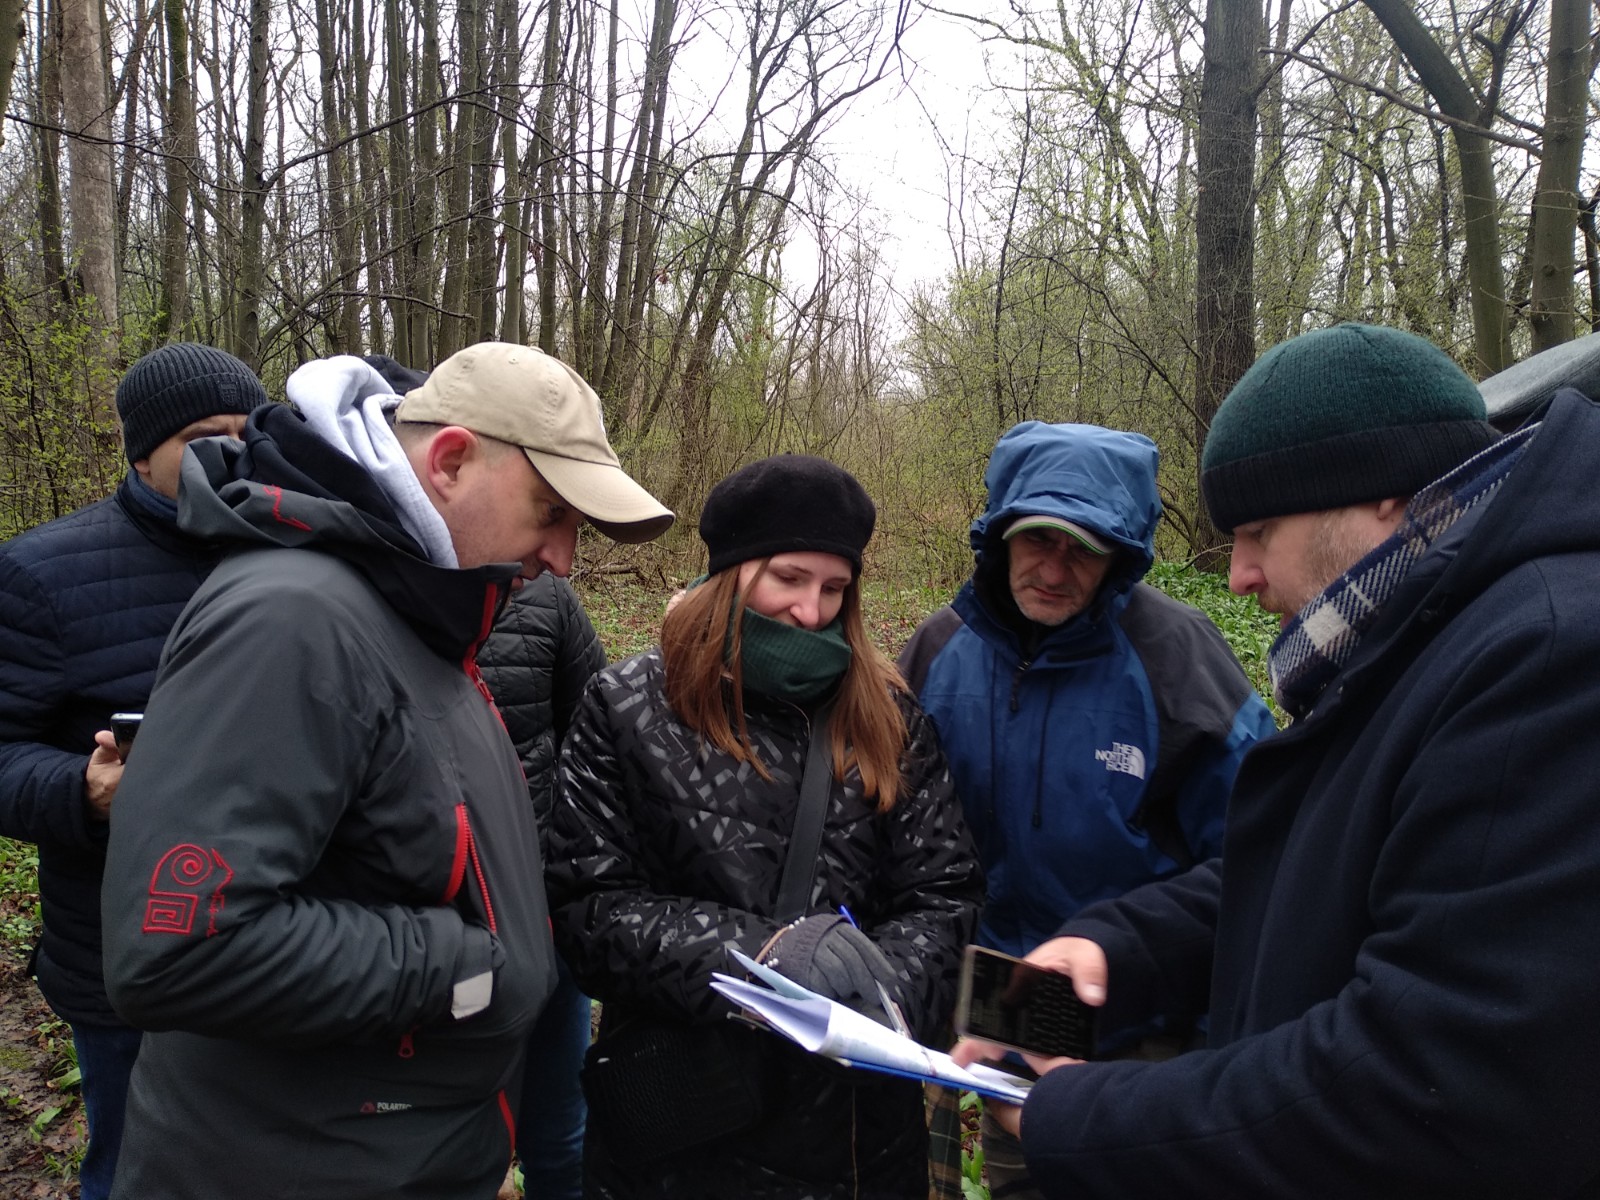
<point>541,653</point>
<point>86,602</point>
<point>665,853</point>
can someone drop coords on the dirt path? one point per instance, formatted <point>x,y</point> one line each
<point>35,1149</point>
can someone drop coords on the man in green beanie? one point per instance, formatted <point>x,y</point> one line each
<point>1400,960</point>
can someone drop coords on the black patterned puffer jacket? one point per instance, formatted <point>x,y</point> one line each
<point>666,852</point>
<point>536,661</point>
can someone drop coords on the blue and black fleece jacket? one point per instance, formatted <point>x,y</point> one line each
<point>1097,755</point>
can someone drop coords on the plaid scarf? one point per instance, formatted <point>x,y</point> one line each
<point>1315,646</point>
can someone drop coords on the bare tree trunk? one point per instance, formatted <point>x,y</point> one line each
<point>128,92</point>
<point>347,322</point>
<point>252,281</point>
<point>513,314</point>
<point>12,30</point>
<point>543,127</point>
<point>172,307</point>
<point>52,234</point>
<point>483,99</point>
<point>1555,206</point>
<point>1225,159</point>
<point>406,191</point>
<point>639,213</point>
<point>93,195</point>
<point>1591,259</point>
<point>453,327</point>
<point>589,341</point>
<point>1479,194</point>
<point>1005,417</point>
<point>424,343</point>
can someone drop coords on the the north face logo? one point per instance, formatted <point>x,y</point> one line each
<point>1122,757</point>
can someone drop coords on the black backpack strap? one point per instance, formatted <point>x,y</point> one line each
<point>800,867</point>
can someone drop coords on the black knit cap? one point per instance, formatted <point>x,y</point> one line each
<point>787,503</point>
<point>177,385</point>
<point>395,373</point>
<point>1337,417</point>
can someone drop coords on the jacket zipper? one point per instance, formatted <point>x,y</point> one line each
<point>466,847</point>
<point>1016,683</point>
<point>469,663</point>
<point>466,851</point>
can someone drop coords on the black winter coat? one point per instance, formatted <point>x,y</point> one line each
<point>540,654</point>
<point>666,853</point>
<point>1401,942</point>
<point>86,602</point>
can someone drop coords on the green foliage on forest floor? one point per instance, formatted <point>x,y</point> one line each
<point>19,897</point>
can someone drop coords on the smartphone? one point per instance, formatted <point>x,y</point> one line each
<point>1023,1007</point>
<point>123,726</point>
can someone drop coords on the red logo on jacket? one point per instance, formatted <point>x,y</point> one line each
<point>185,874</point>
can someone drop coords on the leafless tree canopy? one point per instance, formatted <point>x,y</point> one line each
<point>626,185</point>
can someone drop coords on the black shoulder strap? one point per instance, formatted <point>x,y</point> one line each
<point>800,867</point>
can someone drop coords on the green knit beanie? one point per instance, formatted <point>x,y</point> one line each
<point>1337,417</point>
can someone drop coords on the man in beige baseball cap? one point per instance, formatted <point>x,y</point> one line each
<point>361,895</point>
<point>527,398</point>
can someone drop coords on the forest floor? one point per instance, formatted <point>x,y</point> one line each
<point>42,1130</point>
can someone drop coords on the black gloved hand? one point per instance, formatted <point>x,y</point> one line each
<point>834,959</point>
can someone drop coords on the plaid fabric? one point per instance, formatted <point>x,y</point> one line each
<point>944,1142</point>
<point>1316,644</point>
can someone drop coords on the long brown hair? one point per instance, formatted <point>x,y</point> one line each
<point>868,729</point>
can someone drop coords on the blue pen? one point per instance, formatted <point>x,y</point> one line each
<point>845,913</point>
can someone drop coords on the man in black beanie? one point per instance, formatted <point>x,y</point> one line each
<point>1399,959</point>
<point>86,602</point>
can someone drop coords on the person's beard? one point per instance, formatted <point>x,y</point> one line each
<point>1331,550</point>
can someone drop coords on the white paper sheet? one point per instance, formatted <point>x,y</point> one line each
<point>826,1027</point>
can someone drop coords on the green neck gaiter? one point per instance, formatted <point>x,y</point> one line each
<point>790,663</point>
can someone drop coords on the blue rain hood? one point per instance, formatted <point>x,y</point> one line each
<point>1102,479</point>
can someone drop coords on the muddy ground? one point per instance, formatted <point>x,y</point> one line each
<point>41,1126</point>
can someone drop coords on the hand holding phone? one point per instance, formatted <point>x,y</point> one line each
<point>124,725</point>
<point>1023,1007</point>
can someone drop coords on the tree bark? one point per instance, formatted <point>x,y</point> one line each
<point>52,234</point>
<point>589,340</point>
<point>12,30</point>
<point>513,314</point>
<point>1555,205</point>
<point>1225,158</point>
<point>172,306</point>
<point>1479,193</point>
<point>639,214</point>
<point>253,200</point>
<point>92,196</point>
<point>544,140</point>
<point>347,320</point>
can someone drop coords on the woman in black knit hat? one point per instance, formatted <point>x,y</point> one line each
<point>671,844</point>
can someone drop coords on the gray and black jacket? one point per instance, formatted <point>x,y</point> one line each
<point>321,830</point>
<point>666,852</point>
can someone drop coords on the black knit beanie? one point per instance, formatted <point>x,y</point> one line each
<point>178,385</point>
<point>398,376</point>
<point>786,503</point>
<point>1337,417</point>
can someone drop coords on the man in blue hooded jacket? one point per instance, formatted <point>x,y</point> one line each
<point>1093,724</point>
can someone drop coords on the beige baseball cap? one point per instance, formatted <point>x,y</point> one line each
<point>1089,539</point>
<point>531,399</point>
